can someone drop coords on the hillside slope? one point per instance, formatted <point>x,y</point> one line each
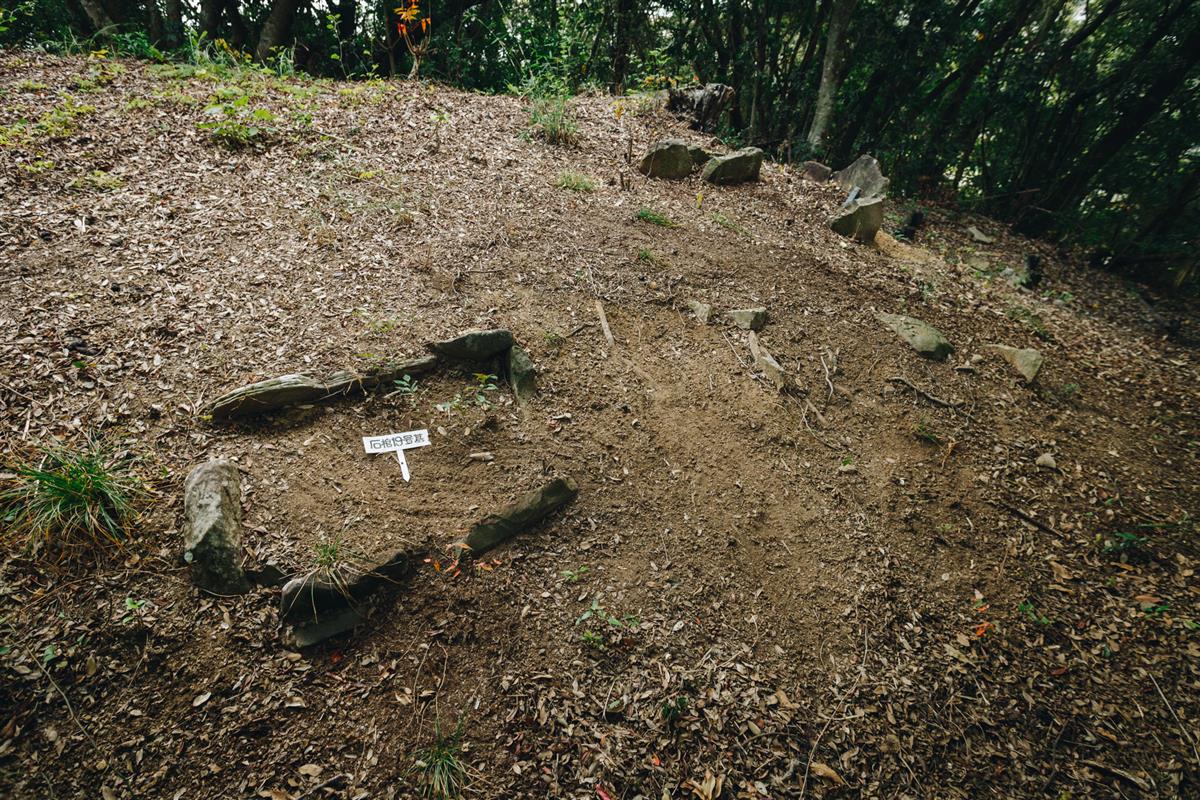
<point>845,589</point>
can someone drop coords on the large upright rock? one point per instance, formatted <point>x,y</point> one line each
<point>860,219</point>
<point>864,173</point>
<point>474,347</point>
<point>815,171</point>
<point>701,105</point>
<point>212,528</point>
<point>668,159</point>
<point>921,336</point>
<point>737,167</point>
<point>522,375</point>
<point>529,510</point>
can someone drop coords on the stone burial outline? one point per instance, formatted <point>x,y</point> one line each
<point>315,606</point>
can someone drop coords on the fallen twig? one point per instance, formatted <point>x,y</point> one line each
<point>1021,515</point>
<point>604,325</point>
<point>937,401</point>
<point>1182,730</point>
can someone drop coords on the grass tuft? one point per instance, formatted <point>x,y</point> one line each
<point>653,217</point>
<point>439,771</point>
<point>71,501</point>
<point>575,181</point>
<point>552,121</point>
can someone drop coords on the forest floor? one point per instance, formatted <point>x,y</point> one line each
<point>841,590</point>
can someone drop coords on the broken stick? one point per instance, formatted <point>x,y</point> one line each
<point>604,325</point>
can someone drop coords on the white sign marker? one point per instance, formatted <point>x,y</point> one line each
<point>397,443</point>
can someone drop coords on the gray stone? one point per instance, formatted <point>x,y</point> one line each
<point>529,510</point>
<point>771,369</point>
<point>212,527</point>
<point>980,236</point>
<point>1026,361</point>
<point>1017,277</point>
<point>669,159</point>
<point>737,167</point>
<point>522,375</point>
<point>1046,461</point>
<point>921,336</point>
<point>699,155</point>
<point>816,171</point>
<point>702,311</point>
<point>474,347</point>
<point>285,390</point>
<point>860,220</point>
<point>319,607</point>
<point>864,173</point>
<point>749,319</point>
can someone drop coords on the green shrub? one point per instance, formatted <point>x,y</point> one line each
<point>654,218</point>
<point>552,121</point>
<point>575,181</point>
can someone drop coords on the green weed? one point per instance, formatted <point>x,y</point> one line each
<point>654,218</point>
<point>552,121</point>
<point>728,224</point>
<point>97,180</point>
<point>573,575</point>
<point>575,181</point>
<point>439,771</point>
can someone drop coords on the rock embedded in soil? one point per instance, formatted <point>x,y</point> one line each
<point>1026,361</point>
<point>319,608</point>
<point>528,511</point>
<point>670,159</point>
<point>522,375</point>
<point>286,390</point>
<point>737,167</point>
<point>212,528</point>
<point>865,174</point>
<point>927,340</point>
<point>979,236</point>
<point>1046,461</point>
<point>702,311</point>
<point>749,319</point>
<point>859,220</point>
<point>474,347</point>
<point>816,171</point>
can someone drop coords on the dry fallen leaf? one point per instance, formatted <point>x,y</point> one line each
<point>310,770</point>
<point>201,699</point>
<point>827,772</point>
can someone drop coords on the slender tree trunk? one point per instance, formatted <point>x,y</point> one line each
<point>173,24</point>
<point>276,29</point>
<point>347,11</point>
<point>97,14</point>
<point>831,71</point>
<point>210,18</point>
<point>622,31</point>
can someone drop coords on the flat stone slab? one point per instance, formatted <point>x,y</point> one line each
<point>979,236</point>
<point>748,319</point>
<point>1026,361</point>
<point>212,527</point>
<point>286,390</point>
<point>702,311</point>
<point>921,336</point>
<point>474,347</point>
<point>737,167</point>
<point>816,171</point>
<point>528,511</point>
<point>670,159</point>
<point>319,608</point>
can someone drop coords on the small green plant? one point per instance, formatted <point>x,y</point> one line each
<point>71,501</point>
<point>1027,608</point>
<point>1029,319</point>
<point>336,563</point>
<point>673,709</point>
<point>554,340</point>
<point>406,386</point>
<point>925,432</point>
<point>1069,390</point>
<point>847,461</point>
<point>97,180</point>
<point>552,121</point>
<point>575,181</point>
<point>728,224</point>
<point>131,608</point>
<point>654,218</point>
<point>37,167</point>
<point>593,640</point>
<point>573,575</point>
<point>484,384</point>
<point>1124,542</point>
<point>647,257</point>
<point>438,770</point>
<point>235,124</point>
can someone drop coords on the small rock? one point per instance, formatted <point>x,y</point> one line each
<point>737,167</point>
<point>980,236</point>
<point>670,159</point>
<point>859,219</point>
<point>816,171</point>
<point>522,375</point>
<point>771,369</point>
<point>212,510</point>
<point>1025,360</point>
<point>921,336</point>
<point>866,174</point>
<point>702,311</point>
<point>749,319</point>
<point>1047,461</point>
<point>525,513</point>
<point>474,347</point>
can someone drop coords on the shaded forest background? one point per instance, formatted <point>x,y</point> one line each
<point>1073,120</point>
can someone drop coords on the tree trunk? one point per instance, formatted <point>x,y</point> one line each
<point>102,23</point>
<point>276,29</point>
<point>622,31</point>
<point>210,18</point>
<point>831,71</point>
<point>347,19</point>
<point>172,24</point>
